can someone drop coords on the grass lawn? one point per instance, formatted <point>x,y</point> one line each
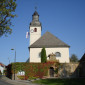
<point>76,81</point>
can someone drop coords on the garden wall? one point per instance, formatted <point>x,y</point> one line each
<point>68,70</point>
<point>32,70</point>
<point>41,70</point>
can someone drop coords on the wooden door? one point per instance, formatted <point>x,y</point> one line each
<point>51,72</point>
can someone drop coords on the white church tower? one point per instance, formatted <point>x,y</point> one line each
<point>35,28</point>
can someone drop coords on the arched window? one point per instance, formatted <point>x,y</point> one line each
<point>35,29</point>
<point>58,54</point>
<point>40,54</point>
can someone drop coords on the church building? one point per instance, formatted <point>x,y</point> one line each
<point>51,43</point>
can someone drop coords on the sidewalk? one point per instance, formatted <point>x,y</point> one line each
<point>17,82</point>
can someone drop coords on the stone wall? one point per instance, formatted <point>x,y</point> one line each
<point>68,70</point>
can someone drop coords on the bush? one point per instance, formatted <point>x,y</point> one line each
<point>31,78</point>
<point>43,56</point>
<point>56,70</point>
<point>4,72</point>
<point>21,77</point>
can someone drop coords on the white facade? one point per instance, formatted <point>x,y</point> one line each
<point>2,68</point>
<point>35,54</point>
<point>34,35</point>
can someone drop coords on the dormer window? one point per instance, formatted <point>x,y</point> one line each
<point>35,29</point>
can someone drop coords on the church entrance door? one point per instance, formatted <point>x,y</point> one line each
<point>51,72</point>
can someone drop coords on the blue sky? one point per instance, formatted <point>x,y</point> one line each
<point>63,18</point>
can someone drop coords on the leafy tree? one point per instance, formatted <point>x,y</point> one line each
<point>7,9</point>
<point>73,58</point>
<point>43,56</point>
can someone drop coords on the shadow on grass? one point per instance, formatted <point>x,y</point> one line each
<point>76,81</point>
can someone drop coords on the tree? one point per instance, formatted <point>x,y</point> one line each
<point>73,58</point>
<point>7,9</point>
<point>43,56</point>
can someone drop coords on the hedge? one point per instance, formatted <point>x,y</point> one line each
<point>37,70</point>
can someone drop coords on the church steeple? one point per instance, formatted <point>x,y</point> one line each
<point>35,16</point>
<point>35,28</point>
<point>35,19</point>
<point>35,13</point>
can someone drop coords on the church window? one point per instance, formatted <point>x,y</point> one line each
<point>35,29</point>
<point>58,54</point>
<point>40,54</point>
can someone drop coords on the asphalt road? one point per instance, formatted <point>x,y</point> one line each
<point>4,83</point>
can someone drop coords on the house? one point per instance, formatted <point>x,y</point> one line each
<point>51,43</point>
<point>2,68</point>
<point>82,66</point>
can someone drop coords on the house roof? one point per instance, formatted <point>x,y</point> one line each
<point>2,64</point>
<point>48,40</point>
<point>82,58</point>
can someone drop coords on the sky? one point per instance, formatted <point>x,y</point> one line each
<point>63,18</point>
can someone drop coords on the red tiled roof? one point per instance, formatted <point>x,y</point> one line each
<point>2,65</point>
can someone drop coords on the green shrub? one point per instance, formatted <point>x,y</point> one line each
<point>21,77</point>
<point>31,78</point>
<point>43,56</point>
<point>4,72</point>
<point>56,70</point>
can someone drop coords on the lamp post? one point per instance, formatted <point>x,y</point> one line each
<point>9,60</point>
<point>14,63</point>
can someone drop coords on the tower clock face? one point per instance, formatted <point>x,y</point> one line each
<point>31,30</point>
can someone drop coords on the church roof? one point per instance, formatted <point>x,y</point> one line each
<point>35,19</point>
<point>48,40</point>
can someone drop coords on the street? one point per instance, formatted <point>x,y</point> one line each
<point>6,81</point>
